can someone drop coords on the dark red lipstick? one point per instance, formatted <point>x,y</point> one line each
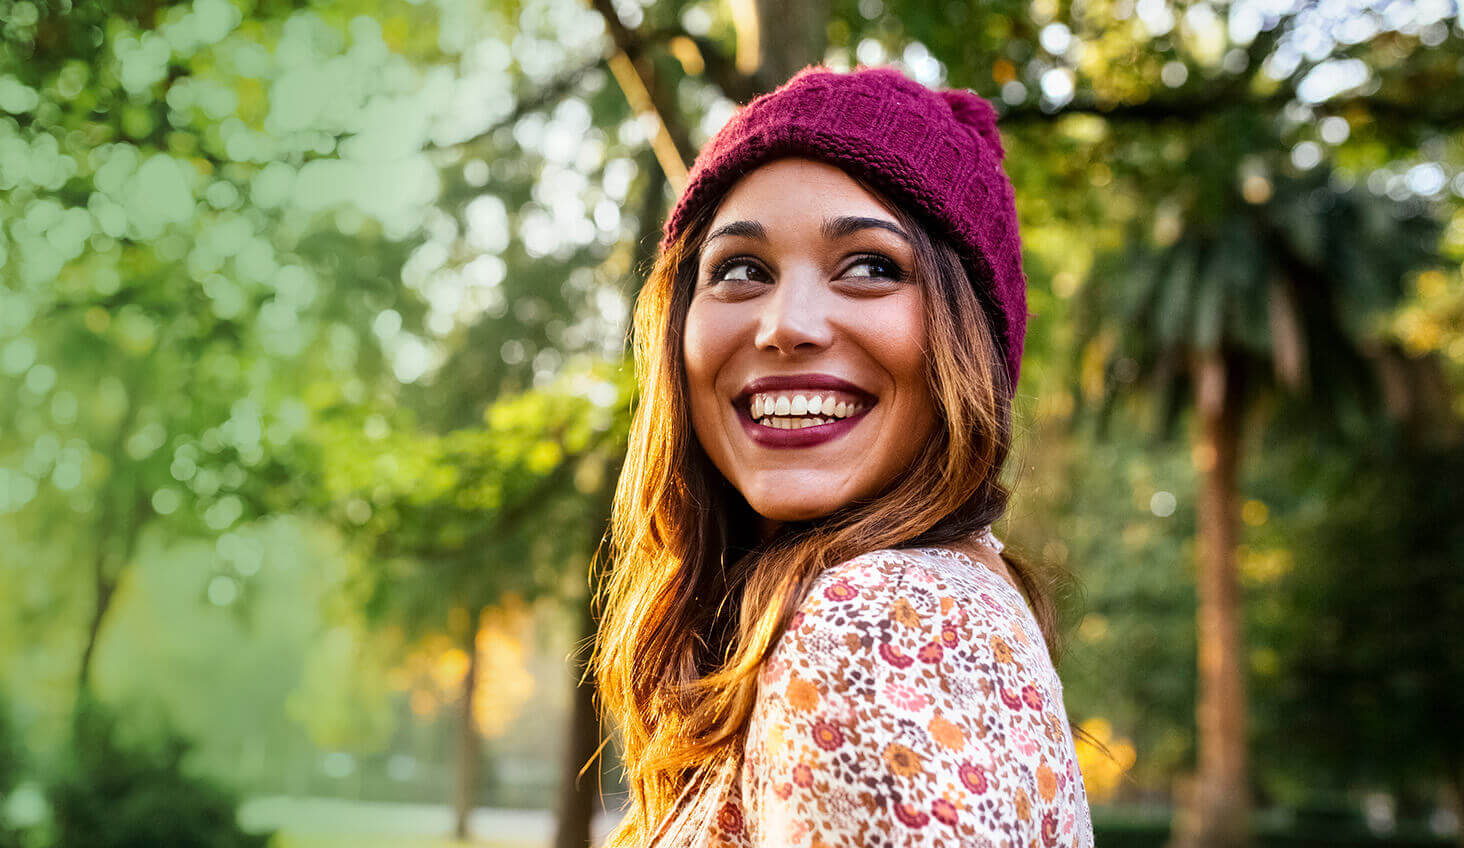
<point>774,437</point>
<point>806,437</point>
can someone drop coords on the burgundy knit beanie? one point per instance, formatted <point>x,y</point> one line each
<point>936,152</point>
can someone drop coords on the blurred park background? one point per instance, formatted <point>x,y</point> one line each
<point>313,396</point>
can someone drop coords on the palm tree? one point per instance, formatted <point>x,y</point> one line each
<point>1270,295</point>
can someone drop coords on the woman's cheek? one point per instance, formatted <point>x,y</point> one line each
<point>706,347</point>
<point>899,345</point>
<point>893,331</point>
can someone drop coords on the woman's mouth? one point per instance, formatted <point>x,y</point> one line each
<point>800,419</point>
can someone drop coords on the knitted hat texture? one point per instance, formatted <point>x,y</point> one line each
<point>937,153</point>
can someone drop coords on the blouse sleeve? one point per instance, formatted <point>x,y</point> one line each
<point>896,713</point>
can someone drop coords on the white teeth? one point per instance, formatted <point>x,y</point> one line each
<point>788,423</point>
<point>793,412</point>
<point>812,405</point>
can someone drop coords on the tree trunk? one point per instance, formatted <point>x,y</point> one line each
<point>103,589</point>
<point>648,95</point>
<point>105,579</point>
<point>468,742</point>
<point>1457,786</point>
<point>651,213</point>
<point>578,787</point>
<point>1220,804</point>
<point>790,35</point>
<point>135,505</point>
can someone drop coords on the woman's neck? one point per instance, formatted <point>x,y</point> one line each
<point>978,550</point>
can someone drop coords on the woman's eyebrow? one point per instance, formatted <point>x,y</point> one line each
<point>848,225</point>
<point>749,229</point>
<point>833,228</point>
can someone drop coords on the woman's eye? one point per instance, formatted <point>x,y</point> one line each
<point>735,270</point>
<point>875,267</point>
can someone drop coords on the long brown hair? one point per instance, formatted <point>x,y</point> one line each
<point>695,600</point>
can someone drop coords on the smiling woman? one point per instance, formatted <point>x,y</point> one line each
<point>810,279</point>
<point>810,635</point>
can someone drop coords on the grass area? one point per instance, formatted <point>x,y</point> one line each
<point>284,840</point>
<point>346,823</point>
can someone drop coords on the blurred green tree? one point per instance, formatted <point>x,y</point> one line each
<point>450,525</point>
<point>164,296</point>
<point>1276,285</point>
<point>1365,620</point>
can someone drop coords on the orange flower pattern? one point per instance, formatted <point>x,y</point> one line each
<point>910,702</point>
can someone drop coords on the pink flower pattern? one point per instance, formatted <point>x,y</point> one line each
<point>904,697</point>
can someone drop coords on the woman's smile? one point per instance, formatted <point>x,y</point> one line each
<point>800,410</point>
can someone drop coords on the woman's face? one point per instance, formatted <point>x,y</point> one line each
<point>804,343</point>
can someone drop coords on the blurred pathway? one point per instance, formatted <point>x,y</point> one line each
<point>336,817</point>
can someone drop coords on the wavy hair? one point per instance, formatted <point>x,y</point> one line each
<point>694,600</point>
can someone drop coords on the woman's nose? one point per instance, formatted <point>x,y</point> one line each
<point>795,314</point>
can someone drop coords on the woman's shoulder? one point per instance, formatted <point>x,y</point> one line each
<point>922,585</point>
<point>911,700</point>
<point>888,610</point>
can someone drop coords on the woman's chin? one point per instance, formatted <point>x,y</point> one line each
<point>785,510</point>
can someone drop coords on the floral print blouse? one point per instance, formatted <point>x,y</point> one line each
<point>910,702</point>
